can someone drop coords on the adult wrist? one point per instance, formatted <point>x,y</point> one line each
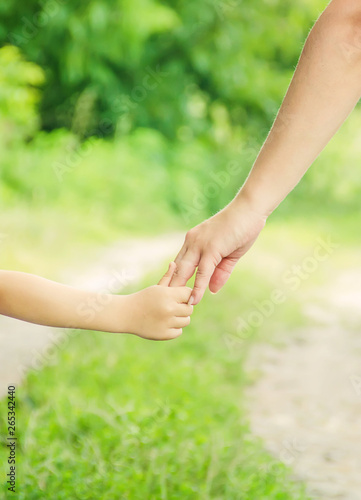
<point>246,200</point>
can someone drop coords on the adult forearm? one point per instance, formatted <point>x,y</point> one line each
<point>325,88</point>
<point>37,300</point>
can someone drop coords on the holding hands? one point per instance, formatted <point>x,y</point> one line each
<point>215,246</point>
<point>156,313</point>
<point>161,312</point>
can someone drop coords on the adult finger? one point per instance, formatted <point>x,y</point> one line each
<point>220,276</point>
<point>165,281</point>
<point>205,270</point>
<point>186,267</point>
<point>222,272</point>
<point>181,252</point>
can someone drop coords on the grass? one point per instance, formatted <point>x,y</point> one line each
<point>120,418</point>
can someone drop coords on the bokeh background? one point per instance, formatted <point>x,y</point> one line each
<point>119,118</point>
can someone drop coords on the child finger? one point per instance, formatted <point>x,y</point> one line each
<point>174,333</point>
<point>184,310</point>
<point>183,293</point>
<point>181,322</point>
<point>167,278</point>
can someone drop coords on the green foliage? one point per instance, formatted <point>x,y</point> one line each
<point>144,63</point>
<point>142,181</point>
<point>19,96</point>
<point>187,89</point>
<point>332,185</point>
<point>139,180</point>
<point>335,176</point>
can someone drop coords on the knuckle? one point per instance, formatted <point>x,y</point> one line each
<point>204,269</point>
<point>190,235</point>
<point>211,255</point>
<point>212,249</point>
<point>179,271</point>
<point>201,274</point>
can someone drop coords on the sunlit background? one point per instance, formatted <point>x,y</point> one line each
<point>123,119</point>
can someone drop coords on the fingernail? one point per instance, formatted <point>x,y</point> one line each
<point>191,301</point>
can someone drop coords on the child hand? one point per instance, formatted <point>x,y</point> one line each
<point>160,312</point>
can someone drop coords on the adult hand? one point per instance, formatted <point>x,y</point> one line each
<point>324,90</point>
<point>215,246</point>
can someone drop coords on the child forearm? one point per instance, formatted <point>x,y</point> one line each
<point>37,300</point>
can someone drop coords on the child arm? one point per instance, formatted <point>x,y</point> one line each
<point>156,313</point>
<point>38,300</point>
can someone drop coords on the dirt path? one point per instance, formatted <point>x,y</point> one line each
<point>306,404</point>
<point>24,346</point>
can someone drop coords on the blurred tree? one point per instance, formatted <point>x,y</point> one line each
<point>188,89</point>
<point>129,63</point>
<point>19,95</point>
